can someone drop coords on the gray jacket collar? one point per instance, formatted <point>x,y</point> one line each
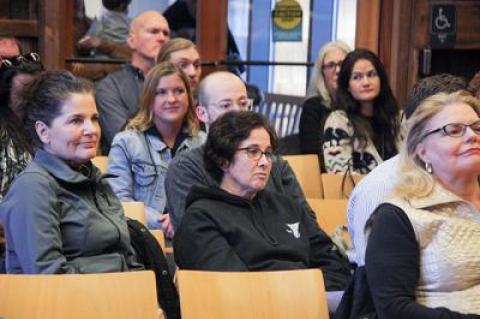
<point>59,169</point>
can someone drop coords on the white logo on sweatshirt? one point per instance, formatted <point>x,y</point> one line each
<point>293,229</point>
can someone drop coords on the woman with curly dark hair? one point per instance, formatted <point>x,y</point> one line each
<point>364,129</point>
<point>240,225</point>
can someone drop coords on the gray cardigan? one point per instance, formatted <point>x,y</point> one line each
<point>58,220</point>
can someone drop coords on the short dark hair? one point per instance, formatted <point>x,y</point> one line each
<point>440,83</point>
<point>226,134</point>
<point>45,96</point>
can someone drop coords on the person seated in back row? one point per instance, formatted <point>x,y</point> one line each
<point>164,127</point>
<point>364,128</point>
<point>118,94</point>
<point>218,93</point>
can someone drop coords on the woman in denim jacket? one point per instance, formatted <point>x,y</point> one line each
<point>165,125</point>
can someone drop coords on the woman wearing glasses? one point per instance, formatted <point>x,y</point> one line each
<point>363,131</point>
<point>321,94</point>
<point>164,126</point>
<point>422,257</point>
<point>239,226</point>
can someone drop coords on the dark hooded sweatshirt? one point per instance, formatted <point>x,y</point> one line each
<point>224,232</point>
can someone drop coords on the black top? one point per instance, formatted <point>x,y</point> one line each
<point>392,261</point>
<point>224,232</point>
<point>311,125</point>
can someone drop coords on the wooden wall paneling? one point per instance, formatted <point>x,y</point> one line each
<point>421,25</point>
<point>368,24</point>
<point>68,40</point>
<point>212,31</point>
<point>19,9</point>
<point>33,9</point>
<point>386,34</point>
<point>468,24</point>
<point>51,33</point>
<point>4,8</point>
<point>401,50</point>
<point>19,28</point>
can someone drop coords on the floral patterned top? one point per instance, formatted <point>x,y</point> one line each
<point>340,153</point>
<point>12,162</point>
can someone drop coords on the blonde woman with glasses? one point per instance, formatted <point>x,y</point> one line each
<point>422,258</point>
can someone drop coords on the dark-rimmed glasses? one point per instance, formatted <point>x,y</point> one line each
<point>332,65</point>
<point>256,154</point>
<point>455,129</point>
<point>31,57</point>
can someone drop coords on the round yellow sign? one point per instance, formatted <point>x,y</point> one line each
<point>287,14</point>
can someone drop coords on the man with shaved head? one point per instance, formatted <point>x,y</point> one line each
<point>218,93</point>
<point>118,94</point>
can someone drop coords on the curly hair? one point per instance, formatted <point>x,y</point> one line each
<point>384,126</point>
<point>45,96</point>
<point>226,134</point>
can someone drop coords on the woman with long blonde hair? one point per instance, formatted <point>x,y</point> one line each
<point>422,258</point>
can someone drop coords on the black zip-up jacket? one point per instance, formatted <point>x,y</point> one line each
<point>225,232</point>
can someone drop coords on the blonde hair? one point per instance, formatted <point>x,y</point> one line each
<point>414,180</point>
<point>144,118</point>
<point>317,84</point>
<point>172,46</point>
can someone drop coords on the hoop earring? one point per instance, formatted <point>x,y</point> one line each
<point>428,167</point>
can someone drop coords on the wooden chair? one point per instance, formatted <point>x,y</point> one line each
<point>259,295</point>
<point>101,162</point>
<point>127,295</point>
<point>331,214</point>
<point>307,171</point>
<point>136,210</point>
<point>332,185</point>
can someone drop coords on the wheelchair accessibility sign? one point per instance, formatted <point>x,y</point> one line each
<point>443,26</point>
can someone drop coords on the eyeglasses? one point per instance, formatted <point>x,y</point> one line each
<point>330,66</point>
<point>244,104</point>
<point>31,57</point>
<point>456,129</point>
<point>256,154</point>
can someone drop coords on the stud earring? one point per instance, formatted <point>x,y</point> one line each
<point>428,167</point>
